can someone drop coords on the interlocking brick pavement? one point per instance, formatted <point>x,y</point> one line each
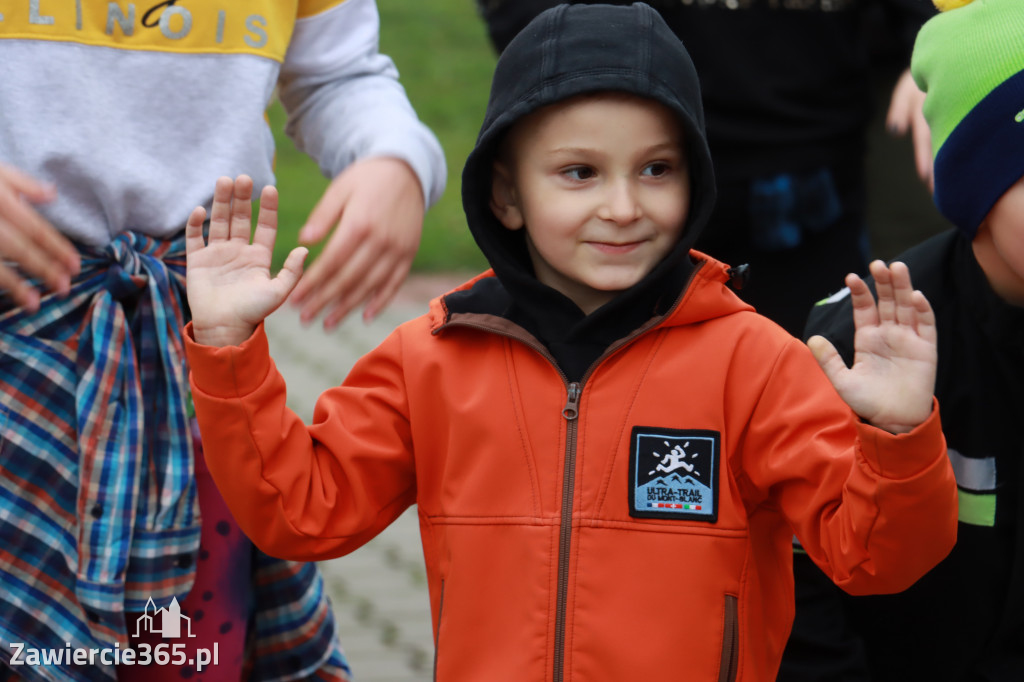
<point>379,592</point>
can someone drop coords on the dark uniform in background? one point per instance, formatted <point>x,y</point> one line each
<point>964,620</point>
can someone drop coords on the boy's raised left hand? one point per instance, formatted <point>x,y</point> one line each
<point>892,379</point>
<point>230,290</point>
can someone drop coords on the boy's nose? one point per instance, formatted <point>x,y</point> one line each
<point>620,204</point>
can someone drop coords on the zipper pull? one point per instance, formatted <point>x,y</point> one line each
<point>572,404</point>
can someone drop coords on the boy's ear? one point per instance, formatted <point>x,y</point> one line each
<point>504,202</point>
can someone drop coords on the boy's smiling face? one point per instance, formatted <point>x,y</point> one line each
<point>601,185</point>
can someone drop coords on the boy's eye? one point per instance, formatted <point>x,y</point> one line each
<point>579,173</point>
<point>656,169</point>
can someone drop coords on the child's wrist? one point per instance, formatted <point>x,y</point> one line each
<point>220,337</point>
<point>907,423</point>
<point>895,429</point>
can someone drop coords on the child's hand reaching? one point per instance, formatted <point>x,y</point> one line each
<point>230,290</point>
<point>893,376</point>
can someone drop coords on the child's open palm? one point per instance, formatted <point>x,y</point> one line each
<point>892,379</point>
<point>230,290</point>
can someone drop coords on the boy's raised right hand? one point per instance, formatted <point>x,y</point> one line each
<point>230,290</point>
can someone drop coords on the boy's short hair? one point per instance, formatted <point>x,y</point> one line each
<point>969,60</point>
<point>588,49</point>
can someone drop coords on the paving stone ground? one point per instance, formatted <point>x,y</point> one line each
<point>379,592</point>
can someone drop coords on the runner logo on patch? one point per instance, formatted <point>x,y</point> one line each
<point>673,474</point>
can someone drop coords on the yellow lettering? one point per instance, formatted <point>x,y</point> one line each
<point>34,17</point>
<point>221,15</point>
<point>257,25</point>
<point>116,15</point>
<point>165,22</point>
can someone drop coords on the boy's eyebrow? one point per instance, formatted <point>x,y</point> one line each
<point>568,150</point>
<point>656,147</point>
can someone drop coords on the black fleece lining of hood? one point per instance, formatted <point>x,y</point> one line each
<point>567,51</point>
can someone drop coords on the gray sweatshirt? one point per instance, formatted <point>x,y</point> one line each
<point>133,109</point>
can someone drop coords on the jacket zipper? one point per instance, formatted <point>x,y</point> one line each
<point>727,670</point>
<point>570,413</point>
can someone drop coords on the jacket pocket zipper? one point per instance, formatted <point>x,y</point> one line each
<point>730,641</point>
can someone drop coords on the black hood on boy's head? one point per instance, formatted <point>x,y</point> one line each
<point>570,50</point>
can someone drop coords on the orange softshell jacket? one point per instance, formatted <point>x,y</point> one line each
<point>636,525</point>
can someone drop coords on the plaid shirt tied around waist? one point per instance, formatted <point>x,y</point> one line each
<point>98,505</point>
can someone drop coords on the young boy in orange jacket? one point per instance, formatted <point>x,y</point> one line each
<point>609,451</point>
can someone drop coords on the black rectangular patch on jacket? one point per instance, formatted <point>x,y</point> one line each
<point>673,473</point>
